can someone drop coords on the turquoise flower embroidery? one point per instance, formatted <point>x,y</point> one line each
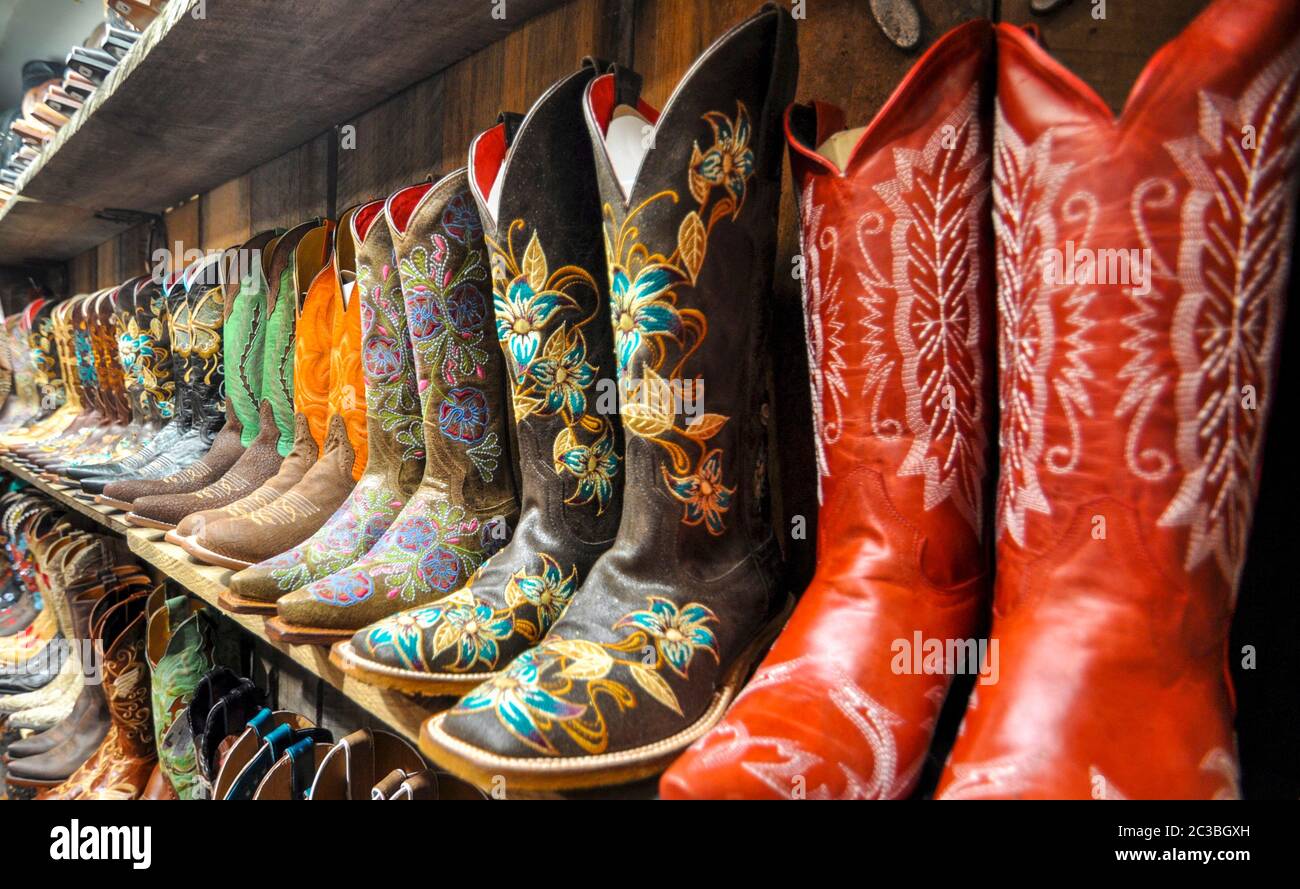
<point>728,163</point>
<point>520,702</point>
<point>639,309</point>
<point>563,371</point>
<point>704,494</point>
<point>594,465</point>
<point>474,629</point>
<point>549,592</point>
<point>677,633</point>
<point>522,313</point>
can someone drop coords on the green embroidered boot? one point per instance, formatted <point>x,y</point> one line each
<point>668,623</point>
<point>179,649</point>
<point>465,504</point>
<point>394,462</point>
<point>551,294</point>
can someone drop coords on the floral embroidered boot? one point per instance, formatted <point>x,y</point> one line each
<point>175,404</point>
<point>264,456</point>
<point>199,310</point>
<point>392,421</point>
<point>144,348</point>
<point>552,320</point>
<point>1142,278</point>
<point>669,621</point>
<point>465,505</point>
<point>312,344</point>
<point>328,351</point>
<point>899,322</point>
<point>179,650</point>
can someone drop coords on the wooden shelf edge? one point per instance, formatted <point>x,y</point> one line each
<point>401,713</point>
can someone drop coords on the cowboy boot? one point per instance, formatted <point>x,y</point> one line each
<point>465,505</point>
<point>240,542</point>
<point>900,346</point>
<point>121,766</point>
<point>183,441</point>
<point>554,330</point>
<point>265,452</point>
<point>215,439</point>
<point>81,749</point>
<point>393,425</point>
<point>179,650</point>
<point>310,392</point>
<point>1135,386</point>
<point>670,619</point>
<point>145,351</point>
<point>29,409</point>
<point>112,436</point>
<point>54,414</point>
<point>22,402</point>
<point>79,417</point>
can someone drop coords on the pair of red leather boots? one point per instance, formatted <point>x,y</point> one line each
<point>1128,275</point>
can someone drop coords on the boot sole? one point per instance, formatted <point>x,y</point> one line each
<point>483,768</point>
<point>292,634</point>
<point>205,555</point>
<point>144,522</point>
<point>109,501</point>
<point>429,685</point>
<point>239,605</point>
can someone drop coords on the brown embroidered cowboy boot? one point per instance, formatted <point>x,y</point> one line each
<point>311,380</point>
<point>393,422</point>
<point>670,620</point>
<point>55,414</point>
<point>465,505</point>
<point>552,320</point>
<point>265,453</point>
<point>81,392</point>
<point>328,355</point>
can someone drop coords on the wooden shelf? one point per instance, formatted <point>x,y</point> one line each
<point>402,713</point>
<point>200,101</point>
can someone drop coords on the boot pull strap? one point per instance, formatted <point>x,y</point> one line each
<point>627,85</point>
<point>595,65</point>
<point>512,121</point>
<point>303,761</point>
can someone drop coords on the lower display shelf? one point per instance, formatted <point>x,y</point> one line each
<point>403,713</point>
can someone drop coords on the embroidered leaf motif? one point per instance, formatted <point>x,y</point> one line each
<point>704,427</point>
<point>1236,225</point>
<point>937,199</point>
<point>585,661</point>
<point>649,412</point>
<point>692,241</point>
<point>1025,187</point>
<point>698,184</point>
<point>655,685</point>
<point>565,441</point>
<point>535,264</point>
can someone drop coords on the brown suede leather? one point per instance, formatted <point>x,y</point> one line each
<point>300,459</point>
<point>286,520</point>
<point>254,466</point>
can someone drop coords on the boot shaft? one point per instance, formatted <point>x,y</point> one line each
<point>551,299</point>
<point>1142,280</point>
<point>690,248</point>
<point>443,267</point>
<point>393,418</point>
<point>347,398</point>
<point>898,308</point>
<point>145,348</point>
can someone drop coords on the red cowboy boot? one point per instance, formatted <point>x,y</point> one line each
<point>898,306</point>
<point>1135,387</point>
